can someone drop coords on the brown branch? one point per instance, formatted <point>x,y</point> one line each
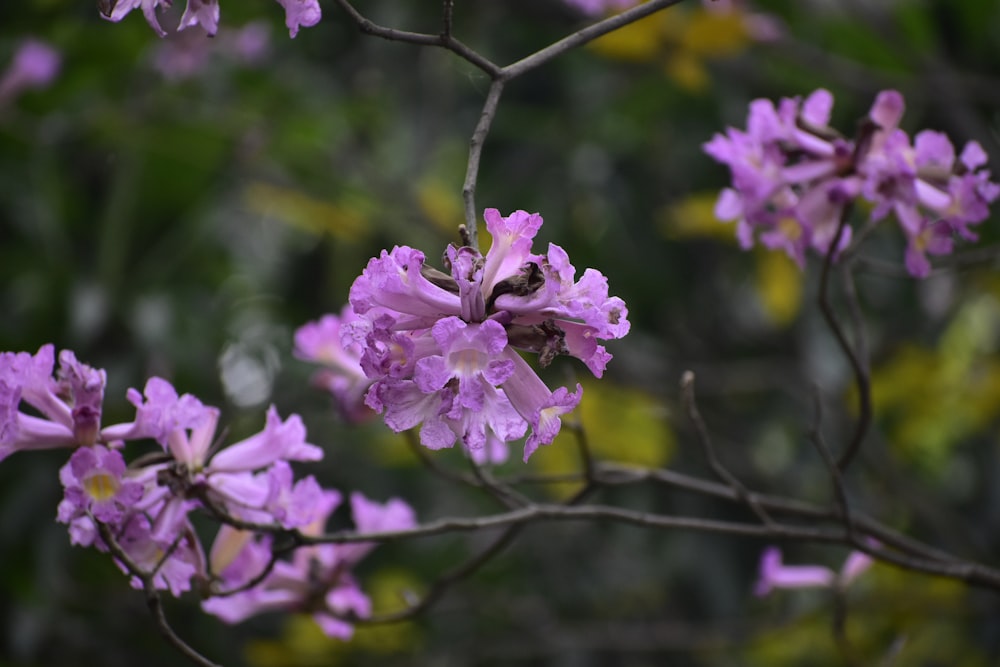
<point>691,406</point>
<point>840,493</point>
<point>443,40</point>
<point>585,35</point>
<point>861,378</point>
<point>153,600</point>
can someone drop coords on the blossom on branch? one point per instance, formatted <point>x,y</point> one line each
<point>317,580</point>
<point>144,506</point>
<point>775,574</point>
<point>795,178</point>
<point>441,349</point>
<point>205,13</point>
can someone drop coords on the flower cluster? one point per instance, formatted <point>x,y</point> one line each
<point>317,580</point>
<point>440,349</point>
<point>143,507</point>
<point>794,177</point>
<point>298,13</point>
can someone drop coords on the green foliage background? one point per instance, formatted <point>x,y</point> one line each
<point>186,227</point>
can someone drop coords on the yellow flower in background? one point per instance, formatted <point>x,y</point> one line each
<point>933,399</point>
<point>621,424</point>
<point>777,280</point>
<point>778,283</point>
<point>346,220</point>
<point>694,217</point>
<point>682,41</point>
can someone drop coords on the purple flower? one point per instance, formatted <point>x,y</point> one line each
<point>94,484</point>
<point>70,406</point>
<point>159,411</point>
<point>176,561</point>
<point>300,13</point>
<point>249,480</point>
<point>317,580</point>
<point>343,376</point>
<point>35,65</point>
<point>201,12</point>
<point>439,347</point>
<point>793,177</point>
<point>121,9</point>
<point>775,574</point>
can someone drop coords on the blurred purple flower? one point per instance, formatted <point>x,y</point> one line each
<point>300,13</point>
<point>184,55</point>
<point>34,66</point>
<point>342,375</point>
<point>774,574</point>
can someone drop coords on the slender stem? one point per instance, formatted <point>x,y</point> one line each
<point>153,601</point>
<point>840,493</point>
<point>475,153</point>
<point>448,15</point>
<point>861,378</point>
<point>691,406</point>
<point>443,40</point>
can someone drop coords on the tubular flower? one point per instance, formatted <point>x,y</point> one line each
<point>317,580</point>
<point>342,373</point>
<point>205,13</point>
<point>775,574</point>
<point>439,348</point>
<point>794,177</point>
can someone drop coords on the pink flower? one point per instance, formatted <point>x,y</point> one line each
<point>94,484</point>
<point>300,13</point>
<point>35,65</point>
<point>439,348</point>
<point>342,375</point>
<point>775,574</point>
<point>793,176</point>
<point>317,580</point>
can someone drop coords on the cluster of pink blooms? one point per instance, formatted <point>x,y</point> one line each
<point>298,13</point>
<point>794,175</point>
<point>145,505</point>
<point>440,350</point>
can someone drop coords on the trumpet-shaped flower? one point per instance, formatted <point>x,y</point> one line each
<point>440,347</point>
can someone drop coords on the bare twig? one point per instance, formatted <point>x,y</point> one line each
<point>448,13</point>
<point>475,153</point>
<point>585,35</point>
<point>861,377</point>
<point>691,406</point>
<point>443,40</point>
<point>153,600</point>
<point>840,493</point>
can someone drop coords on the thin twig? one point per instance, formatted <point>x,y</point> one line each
<point>861,378</point>
<point>840,493</point>
<point>585,35</point>
<point>475,153</point>
<point>448,14</point>
<point>441,471</point>
<point>691,406</point>
<point>442,40</point>
<point>153,600</point>
<point>510,497</point>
